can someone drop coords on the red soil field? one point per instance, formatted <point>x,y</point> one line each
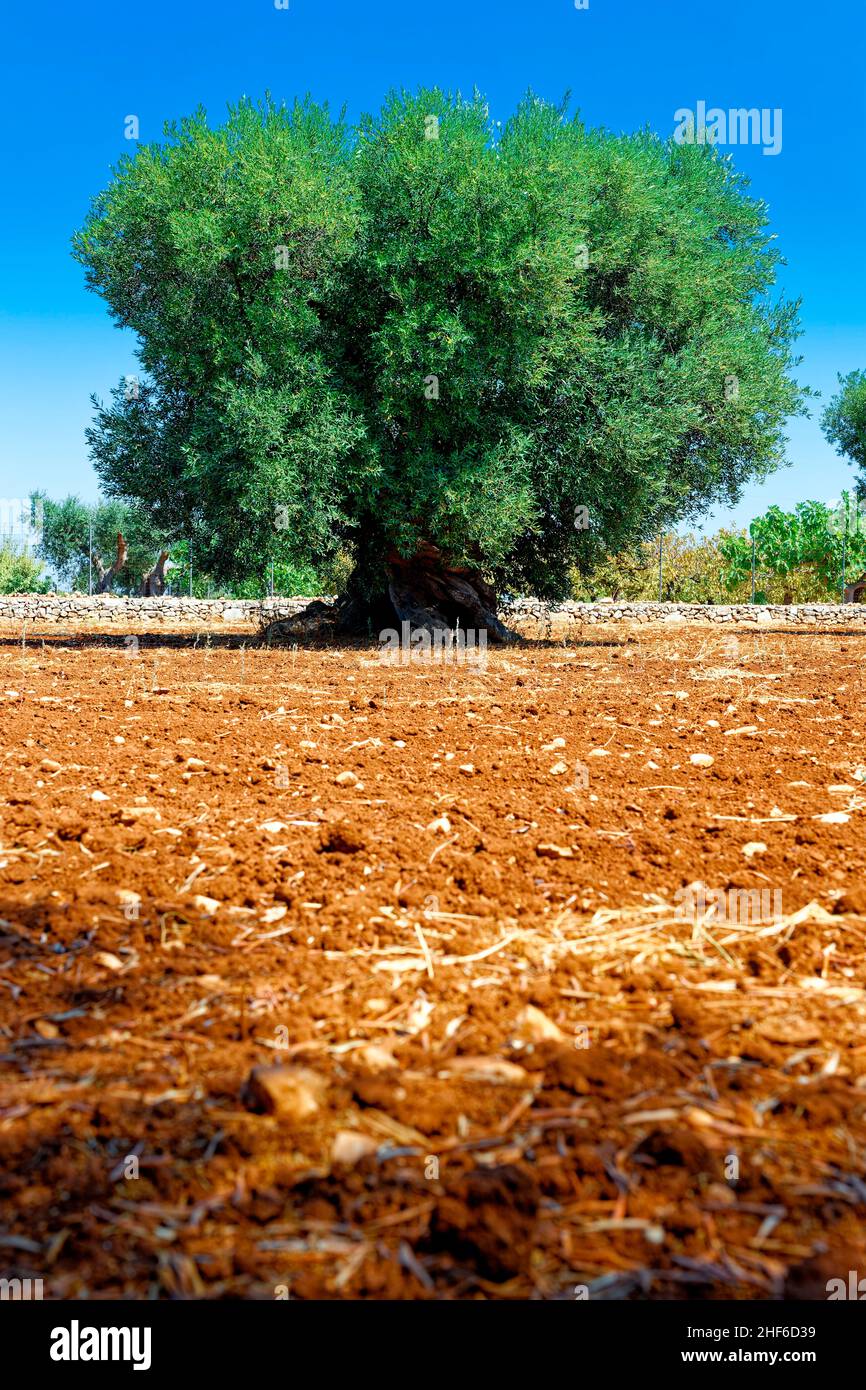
<point>446,902</point>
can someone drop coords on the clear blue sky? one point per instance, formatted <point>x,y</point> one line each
<point>72,73</point>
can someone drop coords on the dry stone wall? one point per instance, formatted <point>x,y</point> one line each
<point>527,615</point>
<point>522,613</point>
<point>118,612</point>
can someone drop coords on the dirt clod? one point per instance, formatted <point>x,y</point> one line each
<point>292,1093</point>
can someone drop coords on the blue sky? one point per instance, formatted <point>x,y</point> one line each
<point>73,73</point>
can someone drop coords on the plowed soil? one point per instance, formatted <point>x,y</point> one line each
<point>512,1066</point>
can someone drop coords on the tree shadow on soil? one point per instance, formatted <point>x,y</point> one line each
<point>234,641</point>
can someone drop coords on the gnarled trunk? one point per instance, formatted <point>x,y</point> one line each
<point>424,590</point>
<point>428,593</point>
<point>106,577</point>
<point>153,583</point>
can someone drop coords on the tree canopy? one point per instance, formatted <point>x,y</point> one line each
<point>844,422</point>
<point>435,334</point>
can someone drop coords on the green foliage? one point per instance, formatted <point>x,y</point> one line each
<point>693,571</point>
<point>20,573</point>
<point>801,548</point>
<point>431,329</point>
<point>844,422</point>
<point>798,559</point>
<point>289,581</point>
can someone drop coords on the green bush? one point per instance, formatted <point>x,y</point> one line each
<point>20,573</point>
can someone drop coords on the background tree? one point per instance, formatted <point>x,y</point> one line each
<point>844,423</point>
<point>428,341</point>
<point>65,543</point>
<point>790,546</point>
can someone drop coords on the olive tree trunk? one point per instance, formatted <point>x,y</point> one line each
<point>106,577</point>
<point>424,590</point>
<point>153,583</point>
